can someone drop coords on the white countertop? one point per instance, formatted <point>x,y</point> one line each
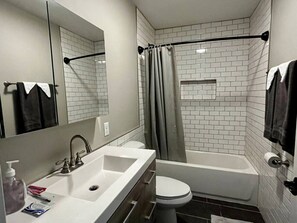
<point>70,209</point>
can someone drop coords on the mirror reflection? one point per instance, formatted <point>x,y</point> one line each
<point>38,90</point>
<point>84,74</point>
<point>25,61</point>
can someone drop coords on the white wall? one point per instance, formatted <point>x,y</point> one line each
<point>118,20</point>
<point>38,151</point>
<point>22,34</point>
<point>145,35</point>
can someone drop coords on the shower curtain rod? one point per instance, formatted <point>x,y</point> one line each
<point>264,36</point>
<point>67,60</point>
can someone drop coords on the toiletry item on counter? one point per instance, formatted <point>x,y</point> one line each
<point>35,189</point>
<point>14,190</point>
<point>2,207</point>
<point>39,197</point>
<point>36,209</point>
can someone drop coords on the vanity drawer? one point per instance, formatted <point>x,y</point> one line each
<point>150,194</point>
<point>139,205</point>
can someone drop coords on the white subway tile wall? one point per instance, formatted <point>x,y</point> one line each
<point>193,90</point>
<point>80,77</point>
<point>213,125</point>
<point>274,198</point>
<point>145,35</point>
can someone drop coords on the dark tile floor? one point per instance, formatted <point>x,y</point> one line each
<point>199,210</point>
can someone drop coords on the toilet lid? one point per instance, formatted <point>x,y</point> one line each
<point>171,188</point>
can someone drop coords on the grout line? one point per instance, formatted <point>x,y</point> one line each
<point>227,206</point>
<point>193,216</point>
<point>193,199</point>
<point>207,202</point>
<point>241,209</point>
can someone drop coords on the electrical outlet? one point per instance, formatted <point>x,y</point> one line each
<point>106,128</point>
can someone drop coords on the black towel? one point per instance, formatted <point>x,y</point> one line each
<point>30,118</point>
<point>270,106</point>
<point>47,108</point>
<point>2,130</point>
<point>283,110</point>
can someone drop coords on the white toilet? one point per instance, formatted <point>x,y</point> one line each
<point>170,193</point>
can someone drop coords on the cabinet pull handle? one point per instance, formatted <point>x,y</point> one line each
<point>152,177</point>
<point>148,217</point>
<point>134,203</point>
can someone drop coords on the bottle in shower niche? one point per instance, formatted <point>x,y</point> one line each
<point>14,190</point>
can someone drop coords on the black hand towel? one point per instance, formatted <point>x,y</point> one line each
<point>47,108</point>
<point>270,107</point>
<point>281,109</point>
<point>285,112</point>
<point>29,108</point>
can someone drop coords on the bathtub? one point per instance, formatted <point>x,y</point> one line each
<point>220,176</point>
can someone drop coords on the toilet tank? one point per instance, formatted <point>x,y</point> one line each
<point>134,144</point>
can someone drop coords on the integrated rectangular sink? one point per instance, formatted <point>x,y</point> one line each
<point>91,180</point>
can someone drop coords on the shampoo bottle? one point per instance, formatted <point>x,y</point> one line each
<point>14,190</point>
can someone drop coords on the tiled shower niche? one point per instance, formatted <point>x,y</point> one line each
<point>198,89</point>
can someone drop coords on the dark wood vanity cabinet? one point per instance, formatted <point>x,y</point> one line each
<point>139,205</point>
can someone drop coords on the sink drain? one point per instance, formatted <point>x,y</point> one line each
<point>93,188</point>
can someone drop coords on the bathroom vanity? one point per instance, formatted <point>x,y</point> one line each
<point>140,204</point>
<point>125,186</point>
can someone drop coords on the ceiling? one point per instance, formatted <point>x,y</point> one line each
<point>60,16</point>
<point>171,13</point>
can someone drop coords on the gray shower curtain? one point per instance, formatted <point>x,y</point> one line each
<point>163,122</point>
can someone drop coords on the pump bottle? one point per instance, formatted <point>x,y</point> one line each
<point>14,190</point>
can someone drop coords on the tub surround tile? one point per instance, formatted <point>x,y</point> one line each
<point>215,119</point>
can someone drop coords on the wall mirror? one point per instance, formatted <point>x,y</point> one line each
<point>75,42</point>
<point>57,93</point>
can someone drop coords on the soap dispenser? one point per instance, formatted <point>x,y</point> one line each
<point>14,190</point>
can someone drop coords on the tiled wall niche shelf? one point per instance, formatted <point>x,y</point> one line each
<point>198,89</point>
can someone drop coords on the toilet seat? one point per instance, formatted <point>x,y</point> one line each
<point>174,203</point>
<point>169,188</point>
<point>171,193</point>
